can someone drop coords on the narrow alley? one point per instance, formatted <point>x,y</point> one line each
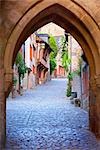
<point>44,119</point>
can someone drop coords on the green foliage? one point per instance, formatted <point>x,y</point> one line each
<point>69,86</point>
<point>14,80</point>
<point>79,64</point>
<point>66,61</point>
<point>69,89</point>
<point>63,43</point>
<point>19,58</point>
<point>70,76</point>
<point>52,65</point>
<point>78,71</point>
<point>53,54</point>
<point>53,45</point>
<point>21,65</point>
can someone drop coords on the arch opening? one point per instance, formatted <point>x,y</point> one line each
<point>63,18</point>
<point>68,19</point>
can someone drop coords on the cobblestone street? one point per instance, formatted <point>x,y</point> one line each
<point>44,119</point>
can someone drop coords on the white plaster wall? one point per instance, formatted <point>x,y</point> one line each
<point>27,52</point>
<point>76,86</point>
<point>52,29</point>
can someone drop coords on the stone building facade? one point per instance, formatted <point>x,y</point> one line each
<point>80,68</point>
<point>80,84</point>
<point>30,61</point>
<point>35,53</point>
<point>57,32</point>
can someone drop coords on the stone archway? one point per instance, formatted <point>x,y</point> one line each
<point>77,20</point>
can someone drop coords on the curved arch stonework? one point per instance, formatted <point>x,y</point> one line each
<point>70,16</point>
<point>80,18</point>
<point>94,105</point>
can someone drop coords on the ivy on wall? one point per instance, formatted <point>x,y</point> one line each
<point>53,54</point>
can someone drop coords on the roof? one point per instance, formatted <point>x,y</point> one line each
<point>43,37</point>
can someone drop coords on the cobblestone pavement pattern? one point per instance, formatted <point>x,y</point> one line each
<point>44,119</point>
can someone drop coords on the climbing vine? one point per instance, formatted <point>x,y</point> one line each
<point>53,54</point>
<point>66,62</point>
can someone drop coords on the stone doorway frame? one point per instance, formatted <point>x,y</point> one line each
<point>79,23</point>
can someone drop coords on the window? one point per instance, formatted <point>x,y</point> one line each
<point>31,52</point>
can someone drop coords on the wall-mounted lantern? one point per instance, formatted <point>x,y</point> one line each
<point>42,45</point>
